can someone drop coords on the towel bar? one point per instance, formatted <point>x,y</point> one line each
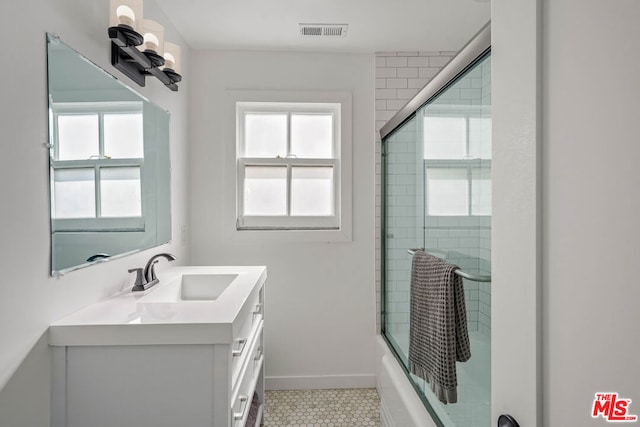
<point>474,277</point>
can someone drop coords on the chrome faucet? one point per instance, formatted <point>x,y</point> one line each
<point>149,269</point>
<point>146,278</point>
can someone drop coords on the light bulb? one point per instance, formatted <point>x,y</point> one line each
<point>125,13</point>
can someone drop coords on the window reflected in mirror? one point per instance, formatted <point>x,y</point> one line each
<point>109,164</point>
<point>98,155</point>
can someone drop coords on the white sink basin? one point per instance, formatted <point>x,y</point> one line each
<point>191,287</point>
<point>204,287</point>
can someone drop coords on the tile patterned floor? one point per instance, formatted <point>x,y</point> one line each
<point>322,408</point>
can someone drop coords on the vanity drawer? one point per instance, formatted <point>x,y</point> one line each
<point>252,314</point>
<point>243,394</point>
<point>244,335</point>
<point>242,351</point>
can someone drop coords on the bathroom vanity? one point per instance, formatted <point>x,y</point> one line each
<point>187,352</point>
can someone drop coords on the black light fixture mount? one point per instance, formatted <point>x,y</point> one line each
<point>135,64</point>
<point>127,31</point>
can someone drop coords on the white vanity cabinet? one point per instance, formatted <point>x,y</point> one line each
<point>183,373</point>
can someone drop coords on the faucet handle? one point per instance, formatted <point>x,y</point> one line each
<point>139,284</point>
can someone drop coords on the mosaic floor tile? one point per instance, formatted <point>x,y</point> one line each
<point>322,408</point>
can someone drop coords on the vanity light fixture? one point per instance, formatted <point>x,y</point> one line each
<point>153,41</point>
<point>172,61</point>
<point>137,45</point>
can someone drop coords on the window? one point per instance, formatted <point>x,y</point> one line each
<point>288,165</point>
<point>96,163</point>
<point>457,152</point>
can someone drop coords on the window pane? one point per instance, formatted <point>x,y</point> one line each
<point>312,136</point>
<point>265,190</point>
<point>74,193</point>
<point>265,135</point>
<point>481,191</point>
<point>445,137</point>
<point>120,194</point>
<point>123,136</point>
<point>480,137</point>
<point>78,136</point>
<point>447,192</point>
<point>312,191</point>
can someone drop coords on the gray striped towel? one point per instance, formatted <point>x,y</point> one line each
<point>438,324</point>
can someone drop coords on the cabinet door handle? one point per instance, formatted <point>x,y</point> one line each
<point>243,408</point>
<point>258,309</point>
<point>238,352</point>
<point>258,354</point>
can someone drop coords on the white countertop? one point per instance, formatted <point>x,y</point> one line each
<point>128,318</point>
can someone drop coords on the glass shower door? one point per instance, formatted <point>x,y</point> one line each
<point>437,195</point>
<point>403,225</point>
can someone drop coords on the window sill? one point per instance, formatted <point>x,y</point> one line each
<point>249,235</point>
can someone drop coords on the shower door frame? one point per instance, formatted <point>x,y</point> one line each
<point>383,313</point>
<point>469,56</point>
<point>516,300</point>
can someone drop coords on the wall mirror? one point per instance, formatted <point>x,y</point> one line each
<point>108,164</point>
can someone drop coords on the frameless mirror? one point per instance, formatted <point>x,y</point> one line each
<point>109,164</point>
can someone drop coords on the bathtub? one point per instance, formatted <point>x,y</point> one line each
<point>401,406</point>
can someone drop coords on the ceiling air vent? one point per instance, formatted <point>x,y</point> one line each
<point>323,30</point>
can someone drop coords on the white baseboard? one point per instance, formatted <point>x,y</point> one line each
<point>320,382</point>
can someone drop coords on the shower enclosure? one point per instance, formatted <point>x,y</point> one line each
<point>436,184</point>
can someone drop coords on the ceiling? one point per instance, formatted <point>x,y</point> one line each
<point>374,25</point>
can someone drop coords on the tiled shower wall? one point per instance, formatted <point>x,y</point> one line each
<point>404,225</point>
<point>465,241</point>
<point>399,77</point>
<point>484,292</point>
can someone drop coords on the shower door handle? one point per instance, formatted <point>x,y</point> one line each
<point>507,421</point>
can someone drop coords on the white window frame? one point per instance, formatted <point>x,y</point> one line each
<point>229,174</point>
<point>288,221</point>
<point>97,223</point>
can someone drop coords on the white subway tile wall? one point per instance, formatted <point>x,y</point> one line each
<point>484,315</point>
<point>465,241</point>
<point>412,71</point>
<point>403,226</point>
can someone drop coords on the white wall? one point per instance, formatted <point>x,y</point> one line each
<point>320,303</point>
<point>29,299</point>
<point>515,235</point>
<point>591,200</point>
